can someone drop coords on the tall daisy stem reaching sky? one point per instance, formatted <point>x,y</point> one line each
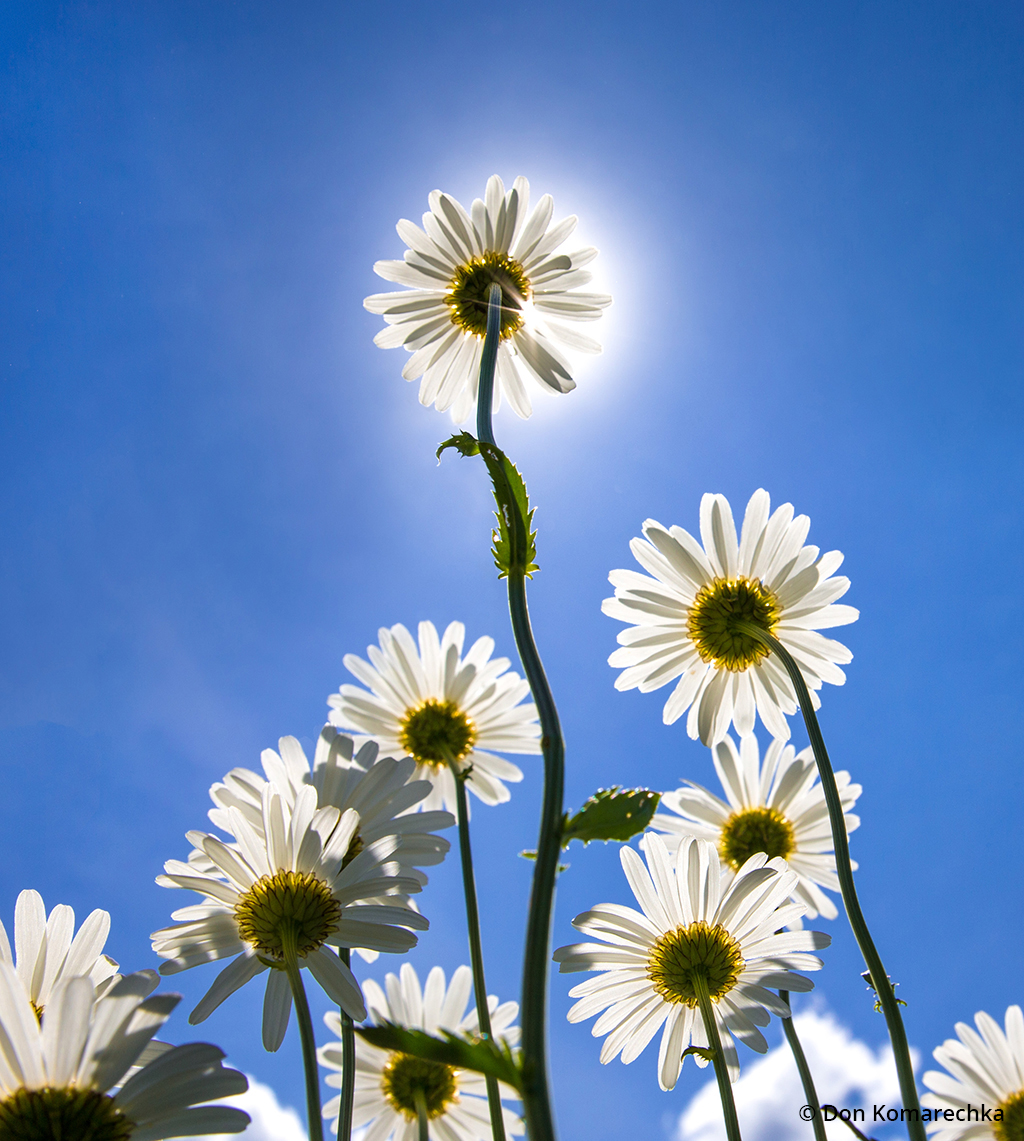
<point>488,360</point>
<point>309,1062</point>
<point>537,955</point>
<point>707,1013</point>
<point>844,871</point>
<point>421,1116</point>
<point>806,1078</point>
<point>476,954</point>
<point>348,1073</point>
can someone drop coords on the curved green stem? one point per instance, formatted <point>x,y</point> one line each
<point>707,1012</point>
<point>421,1114</point>
<point>844,870</point>
<point>476,954</point>
<point>291,968</point>
<point>806,1080</point>
<point>488,360</point>
<point>348,1065</point>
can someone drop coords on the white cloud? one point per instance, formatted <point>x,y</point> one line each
<point>846,1071</point>
<point>271,1121</point>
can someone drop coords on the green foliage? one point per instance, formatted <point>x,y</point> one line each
<point>704,1052</point>
<point>515,545</point>
<point>484,1057</point>
<point>611,814</point>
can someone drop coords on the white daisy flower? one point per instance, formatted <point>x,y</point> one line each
<point>431,703</point>
<point>693,920</point>
<point>387,1081</point>
<point>292,884</point>
<point>66,1071</point>
<point>986,1071</point>
<point>778,809</point>
<point>684,618</point>
<point>380,790</point>
<point>48,950</point>
<point>449,267</point>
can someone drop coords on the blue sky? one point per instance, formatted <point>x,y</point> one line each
<point>213,485</point>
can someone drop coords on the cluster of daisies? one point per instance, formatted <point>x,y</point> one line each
<point>311,861</point>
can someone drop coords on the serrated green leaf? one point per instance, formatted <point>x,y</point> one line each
<point>515,544</point>
<point>494,1058</point>
<point>704,1052</point>
<point>611,814</point>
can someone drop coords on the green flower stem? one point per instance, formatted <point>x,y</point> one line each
<point>348,1065</point>
<point>291,967</point>
<point>421,1114</point>
<point>806,1080</point>
<point>540,1123</point>
<point>476,954</point>
<point>707,1012</point>
<point>537,956</point>
<point>489,358</point>
<point>879,978</point>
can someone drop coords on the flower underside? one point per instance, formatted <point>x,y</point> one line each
<point>287,910</point>
<point>437,731</point>
<point>716,611</point>
<point>1011,1128</point>
<point>405,1076</point>
<point>696,949</point>
<point>751,830</point>
<point>62,1114</point>
<point>470,288</point>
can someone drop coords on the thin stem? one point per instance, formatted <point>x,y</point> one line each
<point>844,870</point>
<point>488,359</point>
<point>476,954</point>
<point>291,967</point>
<point>707,1012</point>
<point>348,1065</point>
<point>421,1114</point>
<point>537,956</point>
<point>806,1080</point>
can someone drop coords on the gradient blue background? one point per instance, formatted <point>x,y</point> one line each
<point>214,485</point>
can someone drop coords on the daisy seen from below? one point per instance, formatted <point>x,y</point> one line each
<point>439,707</point>
<point>448,269</point>
<point>387,1082</point>
<point>778,808</point>
<point>381,790</point>
<point>279,899</point>
<point>66,1077</point>
<point>684,619</point>
<point>696,928</point>
<point>48,950</point>
<point>985,1069</point>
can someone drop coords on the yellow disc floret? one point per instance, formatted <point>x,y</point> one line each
<point>1011,1128</point>
<point>697,948</point>
<point>435,731</point>
<point>471,286</point>
<point>715,613</point>
<point>287,909</point>
<point>751,830</point>
<point>405,1076</point>
<point>62,1114</point>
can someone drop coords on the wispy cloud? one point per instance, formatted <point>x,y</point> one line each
<point>847,1072</point>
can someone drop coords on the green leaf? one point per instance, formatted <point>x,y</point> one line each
<point>704,1052</point>
<point>484,1057</point>
<point>611,814</point>
<point>515,544</point>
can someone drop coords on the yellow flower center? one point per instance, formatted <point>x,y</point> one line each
<point>755,830</point>
<point>471,286</point>
<point>287,909</point>
<point>435,731</point>
<point>714,615</point>
<point>697,948</point>
<point>1011,1128</point>
<point>405,1076</point>
<point>62,1114</point>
